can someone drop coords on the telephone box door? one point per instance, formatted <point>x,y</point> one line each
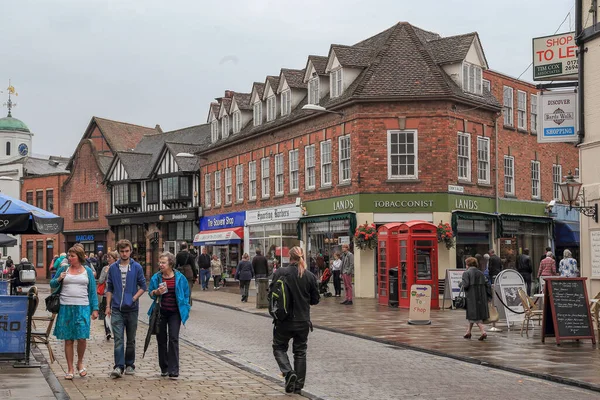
<point>425,267</point>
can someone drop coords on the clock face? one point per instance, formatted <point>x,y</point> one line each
<point>23,149</point>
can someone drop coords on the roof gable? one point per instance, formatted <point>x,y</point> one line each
<point>271,85</point>
<point>293,77</point>
<point>224,107</point>
<point>315,65</point>
<point>349,56</point>
<point>213,111</point>
<point>240,101</point>
<point>450,50</point>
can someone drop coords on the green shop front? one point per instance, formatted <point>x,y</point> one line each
<point>476,223</point>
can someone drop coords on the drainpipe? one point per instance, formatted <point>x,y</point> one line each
<point>497,185</point>
<point>580,52</point>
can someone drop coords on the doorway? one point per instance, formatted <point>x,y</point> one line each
<point>49,257</point>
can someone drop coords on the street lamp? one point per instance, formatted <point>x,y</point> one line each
<point>570,189</point>
<point>314,107</point>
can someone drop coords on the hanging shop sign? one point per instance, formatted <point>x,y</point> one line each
<point>555,58</point>
<point>557,113</point>
<point>222,221</point>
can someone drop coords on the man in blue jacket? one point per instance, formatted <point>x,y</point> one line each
<point>125,284</point>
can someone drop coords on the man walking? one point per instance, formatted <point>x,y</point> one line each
<point>525,269</point>
<point>204,265</point>
<point>302,286</point>
<point>185,263</point>
<point>124,286</point>
<point>260,265</point>
<point>494,265</point>
<point>347,272</point>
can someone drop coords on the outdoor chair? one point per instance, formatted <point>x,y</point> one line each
<point>595,311</point>
<point>532,313</point>
<point>42,336</point>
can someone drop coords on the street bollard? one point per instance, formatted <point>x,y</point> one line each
<point>262,292</point>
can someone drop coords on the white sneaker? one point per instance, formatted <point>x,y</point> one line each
<point>129,371</point>
<point>116,373</point>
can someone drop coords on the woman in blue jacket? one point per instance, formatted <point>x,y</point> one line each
<point>171,288</point>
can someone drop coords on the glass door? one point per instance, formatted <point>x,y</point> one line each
<point>382,282</point>
<point>423,256</point>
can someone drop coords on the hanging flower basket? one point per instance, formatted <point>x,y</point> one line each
<point>365,236</point>
<point>445,235</point>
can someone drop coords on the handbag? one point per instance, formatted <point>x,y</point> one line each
<point>53,301</point>
<point>493,312</point>
<point>461,300</point>
<point>155,318</point>
<point>101,288</point>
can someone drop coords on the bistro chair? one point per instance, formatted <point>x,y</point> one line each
<point>595,311</point>
<point>42,336</point>
<point>532,313</point>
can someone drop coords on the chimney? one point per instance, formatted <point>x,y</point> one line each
<point>229,94</point>
<point>158,128</point>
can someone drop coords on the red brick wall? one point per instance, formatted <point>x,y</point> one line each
<point>99,142</point>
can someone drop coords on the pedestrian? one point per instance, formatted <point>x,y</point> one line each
<point>216,270</point>
<point>260,265</point>
<point>244,273</point>
<point>525,269</point>
<point>174,292</point>
<point>18,279</point>
<point>548,248</point>
<point>94,264</point>
<point>568,265</point>
<point>477,294</point>
<point>60,260</point>
<point>486,266</point>
<point>547,266</point>
<point>78,301</point>
<point>320,261</point>
<point>124,286</point>
<point>112,258</point>
<point>302,286</point>
<point>494,265</point>
<point>347,273</point>
<point>186,264</point>
<point>204,266</point>
<point>337,272</point>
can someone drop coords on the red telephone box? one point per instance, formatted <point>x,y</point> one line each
<point>411,248</point>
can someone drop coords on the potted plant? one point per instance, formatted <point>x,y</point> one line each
<point>365,236</point>
<point>445,235</point>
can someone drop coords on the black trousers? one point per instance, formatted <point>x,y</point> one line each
<point>527,279</point>
<point>244,286</point>
<point>168,342</point>
<point>282,333</point>
<point>337,282</point>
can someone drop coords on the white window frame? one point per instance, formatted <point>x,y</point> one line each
<point>252,180</point>
<point>257,113</point>
<point>237,121</point>
<point>313,90</point>
<point>407,154</point>
<point>239,183</point>
<point>509,175</point>
<point>228,187</point>
<point>279,180</point>
<point>556,181</point>
<point>217,188</point>
<point>536,183</point>
<point>462,157</point>
<point>344,150</point>
<point>471,78</point>
<point>508,106</point>
<point>271,108</point>
<point>225,127</point>
<point>286,102</point>
<point>214,131</point>
<point>336,83</point>
<point>487,84</point>
<point>534,113</point>
<point>326,164</point>
<point>207,190</point>
<point>521,109</point>
<point>265,178</point>
<point>483,159</point>
<point>294,171</point>
<point>576,174</point>
<point>310,180</point>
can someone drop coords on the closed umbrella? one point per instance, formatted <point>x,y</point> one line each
<point>153,325</point>
<point>18,217</point>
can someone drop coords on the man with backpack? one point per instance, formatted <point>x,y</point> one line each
<point>186,264</point>
<point>292,292</point>
<point>24,274</point>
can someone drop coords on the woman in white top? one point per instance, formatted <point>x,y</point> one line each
<point>336,267</point>
<point>78,300</point>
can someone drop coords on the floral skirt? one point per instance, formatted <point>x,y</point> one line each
<point>72,323</point>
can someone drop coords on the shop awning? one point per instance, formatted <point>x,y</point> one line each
<point>507,222</point>
<point>566,233</point>
<point>472,216</point>
<point>326,218</point>
<point>219,237</point>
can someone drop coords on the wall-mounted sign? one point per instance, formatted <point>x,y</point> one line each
<point>84,238</point>
<point>595,253</point>
<point>222,221</point>
<point>456,189</point>
<point>466,204</point>
<point>403,203</point>
<point>557,113</point>
<point>288,212</point>
<point>555,58</point>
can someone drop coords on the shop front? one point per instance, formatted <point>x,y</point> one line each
<point>566,231</point>
<point>93,241</point>
<point>273,231</point>
<point>519,232</point>
<point>223,235</point>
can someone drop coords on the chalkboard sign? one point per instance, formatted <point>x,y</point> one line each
<point>566,310</point>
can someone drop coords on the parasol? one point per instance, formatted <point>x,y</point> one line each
<point>18,217</point>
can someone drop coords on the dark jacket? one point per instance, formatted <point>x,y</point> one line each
<point>260,265</point>
<point>244,271</point>
<point>185,258</point>
<point>134,280</point>
<point>477,292</point>
<point>524,265</point>
<point>495,265</point>
<point>204,261</point>
<point>304,291</point>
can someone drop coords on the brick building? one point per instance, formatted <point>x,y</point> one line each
<point>420,129</point>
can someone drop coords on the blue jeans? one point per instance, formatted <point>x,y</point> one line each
<point>124,323</point>
<point>204,277</point>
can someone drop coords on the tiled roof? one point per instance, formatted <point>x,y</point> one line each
<point>136,165</point>
<point>259,87</point>
<point>294,78</point>
<point>350,56</point>
<point>45,166</point>
<point>104,162</point>
<point>242,100</point>
<point>214,110</point>
<point>122,136</point>
<point>450,50</point>
<point>225,102</point>
<point>273,82</point>
<point>186,164</point>
<point>320,63</point>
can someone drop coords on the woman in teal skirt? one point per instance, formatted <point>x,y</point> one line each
<point>78,300</point>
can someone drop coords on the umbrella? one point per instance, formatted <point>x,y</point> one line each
<point>7,241</point>
<point>152,325</point>
<point>18,217</point>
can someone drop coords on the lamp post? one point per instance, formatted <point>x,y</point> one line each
<point>570,189</point>
<point>314,107</point>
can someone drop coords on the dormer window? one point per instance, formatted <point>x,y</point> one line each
<point>225,127</point>
<point>257,113</point>
<point>271,108</point>
<point>286,102</point>
<point>237,121</point>
<point>471,78</point>
<point>313,90</point>
<point>336,83</point>
<point>214,131</point>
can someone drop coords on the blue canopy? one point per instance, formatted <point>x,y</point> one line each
<point>18,217</point>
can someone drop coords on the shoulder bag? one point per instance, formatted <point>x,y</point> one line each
<point>53,301</point>
<point>461,300</point>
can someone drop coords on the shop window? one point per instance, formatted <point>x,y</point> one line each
<point>50,200</point>
<point>30,251</point>
<point>39,199</point>
<point>152,194</point>
<point>39,253</point>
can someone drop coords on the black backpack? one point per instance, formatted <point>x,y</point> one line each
<point>280,299</point>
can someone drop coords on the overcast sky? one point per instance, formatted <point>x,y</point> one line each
<point>152,62</point>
